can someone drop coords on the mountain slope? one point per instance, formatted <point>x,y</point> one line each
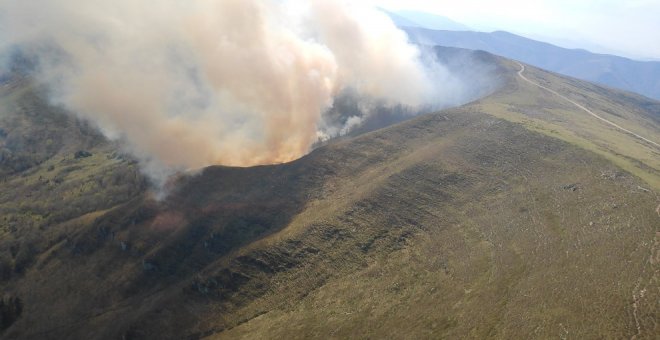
<point>516,216</point>
<point>642,77</point>
<point>56,173</point>
<point>526,240</point>
<point>557,109</point>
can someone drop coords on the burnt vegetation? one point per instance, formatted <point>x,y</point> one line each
<point>452,224</point>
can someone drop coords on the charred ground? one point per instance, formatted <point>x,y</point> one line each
<point>510,217</point>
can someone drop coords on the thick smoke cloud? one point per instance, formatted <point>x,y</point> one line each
<point>187,84</point>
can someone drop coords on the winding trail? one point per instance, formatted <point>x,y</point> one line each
<point>520,74</point>
<point>637,293</point>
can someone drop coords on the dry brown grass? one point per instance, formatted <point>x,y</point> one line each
<point>467,223</point>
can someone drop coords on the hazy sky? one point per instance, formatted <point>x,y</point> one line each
<point>630,27</point>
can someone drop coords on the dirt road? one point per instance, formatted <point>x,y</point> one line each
<point>522,70</point>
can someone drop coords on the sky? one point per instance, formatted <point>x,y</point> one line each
<point>625,27</point>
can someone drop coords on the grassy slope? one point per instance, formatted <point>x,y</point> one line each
<point>455,224</point>
<point>544,112</point>
<point>43,183</point>
<point>46,193</point>
<point>472,236</point>
<point>505,251</point>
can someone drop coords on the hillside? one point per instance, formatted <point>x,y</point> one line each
<point>519,215</point>
<point>641,77</point>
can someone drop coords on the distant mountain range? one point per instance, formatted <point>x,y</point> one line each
<point>642,77</point>
<point>425,20</point>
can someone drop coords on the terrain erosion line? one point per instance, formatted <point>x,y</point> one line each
<point>520,73</point>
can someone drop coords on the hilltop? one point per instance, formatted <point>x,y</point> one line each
<point>519,215</point>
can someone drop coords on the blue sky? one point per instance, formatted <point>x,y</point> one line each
<point>625,27</point>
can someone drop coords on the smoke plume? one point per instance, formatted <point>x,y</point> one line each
<point>187,84</point>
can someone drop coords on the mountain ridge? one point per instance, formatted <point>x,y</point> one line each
<point>609,70</point>
<point>516,215</point>
<point>430,21</point>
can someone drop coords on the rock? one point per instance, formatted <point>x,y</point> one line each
<point>571,187</point>
<point>10,310</point>
<point>643,189</point>
<point>82,154</point>
<point>148,266</point>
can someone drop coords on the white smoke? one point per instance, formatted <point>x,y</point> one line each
<point>187,84</point>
